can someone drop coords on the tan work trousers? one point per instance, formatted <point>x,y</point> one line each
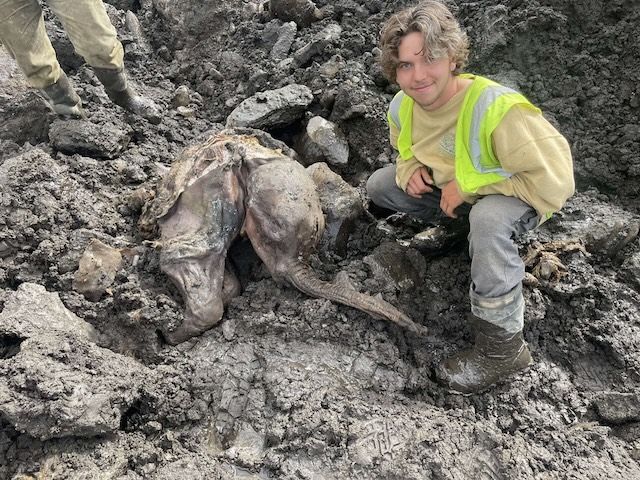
<point>86,22</point>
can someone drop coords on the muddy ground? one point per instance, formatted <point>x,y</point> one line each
<point>287,386</point>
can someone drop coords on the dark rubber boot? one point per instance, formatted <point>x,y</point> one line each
<point>63,98</point>
<point>115,84</point>
<point>495,355</point>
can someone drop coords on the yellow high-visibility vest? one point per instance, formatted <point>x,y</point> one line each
<point>485,104</point>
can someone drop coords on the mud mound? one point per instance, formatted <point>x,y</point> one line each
<point>287,386</point>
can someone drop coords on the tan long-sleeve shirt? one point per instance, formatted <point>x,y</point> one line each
<point>525,143</point>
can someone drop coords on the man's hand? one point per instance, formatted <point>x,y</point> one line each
<point>450,199</point>
<point>419,183</point>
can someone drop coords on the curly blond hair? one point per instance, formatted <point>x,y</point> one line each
<point>443,36</point>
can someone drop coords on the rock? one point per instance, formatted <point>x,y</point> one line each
<point>631,268</point>
<point>302,12</point>
<point>23,114</point>
<point>618,408</point>
<point>62,386</point>
<point>317,45</point>
<point>137,45</point>
<point>350,102</point>
<point>181,97</point>
<point>98,267</point>
<point>322,140</point>
<point>286,35</point>
<point>231,63</point>
<point>272,108</point>
<point>341,204</point>
<point>186,112</point>
<point>32,310</point>
<point>86,138</point>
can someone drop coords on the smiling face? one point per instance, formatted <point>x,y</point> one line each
<point>430,82</point>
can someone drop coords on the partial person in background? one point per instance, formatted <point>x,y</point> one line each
<point>23,34</point>
<point>469,146</point>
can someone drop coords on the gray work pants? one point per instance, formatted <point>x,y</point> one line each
<point>494,223</point>
<point>23,34</point>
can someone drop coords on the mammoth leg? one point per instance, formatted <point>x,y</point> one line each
<point>196,234</point>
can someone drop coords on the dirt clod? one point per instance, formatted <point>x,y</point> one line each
<point>287,386</point>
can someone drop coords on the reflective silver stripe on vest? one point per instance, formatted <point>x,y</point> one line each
<point>394,109</point>
<point>487,97</point>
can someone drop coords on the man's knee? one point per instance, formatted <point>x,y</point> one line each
<point>504,214</point>
<point>377,186</point>
<point>498,211</point>
<point>372,185</point>
<point>485,214</point>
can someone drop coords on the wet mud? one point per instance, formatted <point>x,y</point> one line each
<point>287,386</point>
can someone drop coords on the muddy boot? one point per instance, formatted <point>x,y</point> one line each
<point>63,98</point>
<point>115,84</point>
<point>499,348</point>
<point>495,355</point>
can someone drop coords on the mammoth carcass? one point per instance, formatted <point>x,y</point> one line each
<point>241,180</point>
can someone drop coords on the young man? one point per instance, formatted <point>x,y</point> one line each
<point>469,145</point>
<point>23,34</point>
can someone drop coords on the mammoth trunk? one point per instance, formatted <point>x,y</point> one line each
<point>301,277</point>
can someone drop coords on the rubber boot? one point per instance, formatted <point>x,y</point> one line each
<point>115,84</point>
<point>496,354</point>
<point>63,98</point>
<point>499,348</point>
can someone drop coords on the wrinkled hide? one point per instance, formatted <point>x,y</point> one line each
<point>196,235</point>
<point>233,182</point>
